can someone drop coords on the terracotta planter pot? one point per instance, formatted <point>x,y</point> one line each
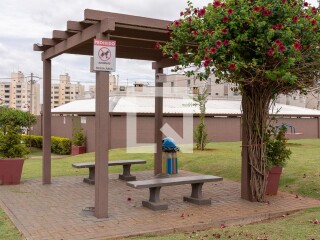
<point>10,170</point>
<point>273,180</point>
<point>75,150</point>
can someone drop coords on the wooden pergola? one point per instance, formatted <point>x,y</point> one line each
<point>135,39</point>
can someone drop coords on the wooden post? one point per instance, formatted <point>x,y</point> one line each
<point>46,122</point>
<point>158,125</point>
<point>102,130</point>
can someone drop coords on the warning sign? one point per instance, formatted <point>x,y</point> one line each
<point>104,54</point>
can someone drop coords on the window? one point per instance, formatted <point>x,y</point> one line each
<point>18,86</point>
<point>172,84</point>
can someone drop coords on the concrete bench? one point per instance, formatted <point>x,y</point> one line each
<point>155,185</point>
<point>126,175</point>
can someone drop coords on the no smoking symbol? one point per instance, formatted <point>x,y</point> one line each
<point>104,54</point>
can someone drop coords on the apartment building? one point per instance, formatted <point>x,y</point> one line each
<point>65,91</point>
<point>227,91</point>
<point>192,85</point>
<point>21,93</point>
<point>113,85</point>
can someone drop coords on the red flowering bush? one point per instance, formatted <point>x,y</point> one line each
<point>266,47</point>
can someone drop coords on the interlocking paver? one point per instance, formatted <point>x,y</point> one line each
<point>60,210</point>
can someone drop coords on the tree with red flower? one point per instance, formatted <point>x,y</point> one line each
<point>266,47</point>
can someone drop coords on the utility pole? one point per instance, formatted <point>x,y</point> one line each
<point>31,81</point>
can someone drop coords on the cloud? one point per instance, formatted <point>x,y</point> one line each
<point>24,23</point>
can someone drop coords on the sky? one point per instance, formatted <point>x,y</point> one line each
<point>25,22</point>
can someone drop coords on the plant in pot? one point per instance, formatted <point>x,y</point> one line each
<point>12,154</point>
<point>277,155</point>
<point>78,142</point>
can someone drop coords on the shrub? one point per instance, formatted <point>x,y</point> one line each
<point>10,143</point>
<point>277,152</point>
<point>79,139</point>
<point>59,145</point>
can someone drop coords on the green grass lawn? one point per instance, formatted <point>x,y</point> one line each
<point>7,229</point>
<point>300,176</point>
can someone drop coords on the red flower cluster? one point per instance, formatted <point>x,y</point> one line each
<point>271,51</point>
<point>177,23</point>
<point>281,48</point>
<point>313,22</point>
<point>226,42</point>
<point>232,67</point>
<point>263,10</point>
<point>157,45</point>
<point>213,50</point>
<point>202,12</point>
<point>224,31</point>
<point>295,19</point>
<point>277,27</point>
<point>305,4</point>
<point>225,19</point>
<point>256,8</point>
<point>314,10</point>
<point>175,56</point>
<point>207,61</point>
<point>218,43</point>
<point>230,11</point>
<point>217,3</point>
<point>297,45</point>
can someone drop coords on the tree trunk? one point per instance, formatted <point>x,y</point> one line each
<point>255,107</point>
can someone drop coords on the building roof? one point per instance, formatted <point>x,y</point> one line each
<point>145,104</point>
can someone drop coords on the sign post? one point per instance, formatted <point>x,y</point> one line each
<point>104,55</point>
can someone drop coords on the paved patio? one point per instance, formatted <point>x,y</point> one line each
<point>63,210</point>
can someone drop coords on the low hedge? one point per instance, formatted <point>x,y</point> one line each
<point>59,145</point>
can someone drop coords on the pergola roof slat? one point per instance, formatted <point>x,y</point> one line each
<point>90,14</point>
<point>79,38</point>
<point>135,36</point>
<point>61,35</point>
<point>77,26</point>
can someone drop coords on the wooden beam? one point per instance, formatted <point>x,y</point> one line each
<point>123,52</point>
<point>80,38</point>
<point>49,42</point>
<point>77,26</point>
<point>163,63</point>
<point>62,35</point>
<point>39,47</point>
<point>96,15</point>
<point>158,123</point>
<point>46,123</point>
<point>102,129</point>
